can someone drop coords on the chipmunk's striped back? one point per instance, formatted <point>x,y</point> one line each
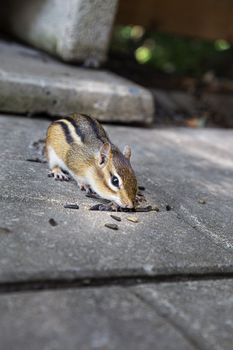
<point>81,128</point>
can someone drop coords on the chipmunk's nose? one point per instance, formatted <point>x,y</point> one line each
<point>130,205</point>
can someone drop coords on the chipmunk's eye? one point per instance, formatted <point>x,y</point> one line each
<point>115,181</point>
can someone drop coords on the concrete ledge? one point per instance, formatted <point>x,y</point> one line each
<point>31,82</point>
<point>74,30</point>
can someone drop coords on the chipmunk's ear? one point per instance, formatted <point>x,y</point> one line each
<point>105,153</point>
<point>127,152</point>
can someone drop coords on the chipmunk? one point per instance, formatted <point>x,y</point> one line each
<point>79,145</point>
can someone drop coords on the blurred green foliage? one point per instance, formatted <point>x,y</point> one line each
<point>173,54</point>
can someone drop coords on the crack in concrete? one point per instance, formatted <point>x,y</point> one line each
<point>100,282</point>
<point>194,222</point>
<point>177,320</point>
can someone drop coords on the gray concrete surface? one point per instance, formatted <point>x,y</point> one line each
<point>151,247</point>
<point>201,310</point>
<point>164,282</point>
<point>32,82</point>
<point>90,318</point>
<point>184,315</point>
<point>73,30</point>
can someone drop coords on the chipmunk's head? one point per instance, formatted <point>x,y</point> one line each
<point>115,179</point>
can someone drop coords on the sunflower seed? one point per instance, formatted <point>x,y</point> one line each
<point>145,209</point>
<point>53,222</point>
<point>117,218</point>
<point>71,206</point>
<point>35,160</point>
<point>112,226</point>
<point>4,230</point>
<point>132,219</point>
<point>202,201</point>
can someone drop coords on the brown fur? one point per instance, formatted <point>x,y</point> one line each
<point>55,138</point>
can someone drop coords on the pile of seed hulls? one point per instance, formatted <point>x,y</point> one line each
<point>107,205</point>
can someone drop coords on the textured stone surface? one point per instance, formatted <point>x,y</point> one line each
<point>104,318</point>
<point>201,310</point>
<point>72,29</point>
<point>184,315</point>
<point>189,170</point>
<point>31,82</point>
<point>191,166</point>
<point>178,167</point>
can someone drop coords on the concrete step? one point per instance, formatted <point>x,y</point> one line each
<point>32,82</point>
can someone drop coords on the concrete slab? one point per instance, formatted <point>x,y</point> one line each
<point>184,315</point>
<point>32,82</point>
<point>189,166</point>
<point>201,310</point>
<point>104,318</point>
<point>172,164</point>
<point>73,29</point>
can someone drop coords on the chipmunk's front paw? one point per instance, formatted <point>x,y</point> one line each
<point>89,190</point>
<point>84,187</point>
<point>58,175</point>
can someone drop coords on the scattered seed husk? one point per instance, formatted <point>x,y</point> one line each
<point>132,218</point>
<point>125,210</point>
<point>155,208</point>
<point>140,194</point>
<point>4,230</point>
<point>202,201</point>
<point>141,199</point>
<point>145,209</point>
<point>114,208</point>
<point>168,207</point>
<point>71,206</point>
<point>102,207</point>
<point>141,188</point>
<point>109,207</point>
<point>35,160</point>
<point>96,207</point>
<point>53,222</point>
<point>117,218</point>
<point>112,226</point>
<point>92,195</point>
